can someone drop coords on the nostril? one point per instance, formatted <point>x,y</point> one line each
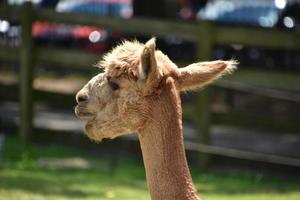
<point>82,98</point>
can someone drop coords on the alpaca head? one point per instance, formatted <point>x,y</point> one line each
<point>115,102</point>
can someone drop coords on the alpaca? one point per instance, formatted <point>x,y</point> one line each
<point>139,91</point>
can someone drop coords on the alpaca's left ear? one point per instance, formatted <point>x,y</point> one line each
<point>200,74</point>
<point>148,70</point>
<point>148,66</point>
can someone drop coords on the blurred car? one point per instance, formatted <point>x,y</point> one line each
<point>89,38</point>
<point>120,8</point>
<point>255,13</point>
<point>262,13</point>
<point>290,16</point>
<point>259,13</point>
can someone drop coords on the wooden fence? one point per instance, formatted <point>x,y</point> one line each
<point>205,34</point>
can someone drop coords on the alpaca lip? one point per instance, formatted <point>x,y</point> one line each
<point>81,112</point>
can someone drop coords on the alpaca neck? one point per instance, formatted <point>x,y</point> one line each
<point>161,141</point>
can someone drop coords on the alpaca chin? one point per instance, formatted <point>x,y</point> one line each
<point>99,132</point>
<point>89,130</point>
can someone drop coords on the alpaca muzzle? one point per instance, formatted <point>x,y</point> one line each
<point>82,112</point>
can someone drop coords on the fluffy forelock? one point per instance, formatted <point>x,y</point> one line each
<point>124,58</point>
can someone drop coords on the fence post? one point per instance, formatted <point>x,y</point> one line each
<point>203,120</point>
<point>26,73</point>
<point>4,5</point>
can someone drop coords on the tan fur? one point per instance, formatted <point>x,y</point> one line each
<point>147,102</point>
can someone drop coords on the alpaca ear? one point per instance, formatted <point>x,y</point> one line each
<point>148,65</point>
<point>200,74</point>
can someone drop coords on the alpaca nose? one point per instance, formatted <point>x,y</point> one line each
<point>82,98</point>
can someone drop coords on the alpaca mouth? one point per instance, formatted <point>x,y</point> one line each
<point>82,113</point>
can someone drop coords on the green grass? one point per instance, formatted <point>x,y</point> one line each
<point>22,178</point>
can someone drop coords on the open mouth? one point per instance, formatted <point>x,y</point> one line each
<point>82,113</point>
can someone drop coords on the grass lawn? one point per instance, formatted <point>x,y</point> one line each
<point>23,176</point>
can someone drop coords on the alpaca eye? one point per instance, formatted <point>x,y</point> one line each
<point>114,86</point>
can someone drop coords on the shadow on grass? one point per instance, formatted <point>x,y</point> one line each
<point>242,183</point>
<point>40,185</point>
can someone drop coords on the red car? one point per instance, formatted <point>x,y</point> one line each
<point>89,38</point>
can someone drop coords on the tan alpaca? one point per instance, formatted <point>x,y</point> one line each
<point>139,92</point>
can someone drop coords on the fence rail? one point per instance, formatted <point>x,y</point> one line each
<point>66,58</point>
<point>205,34</point>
